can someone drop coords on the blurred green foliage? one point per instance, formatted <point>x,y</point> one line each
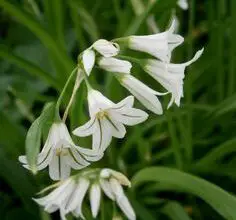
<point>40,41</point>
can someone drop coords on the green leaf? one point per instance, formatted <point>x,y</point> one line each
<point>33,138</point>
<point>31,68</point>
<point>228,105</point>
<point>175,211</point>
<point>59,54</point>
<point>213,157</point>
<point>142,212</point>
<point>223,202</point>
<point>16,178</point>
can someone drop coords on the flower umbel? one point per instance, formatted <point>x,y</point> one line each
<point>61,154</point>
<point>69,195</point>
<point>108,119</point>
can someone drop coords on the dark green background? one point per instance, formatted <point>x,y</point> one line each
<point>40,41</point>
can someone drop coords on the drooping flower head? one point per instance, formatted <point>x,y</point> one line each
<point>170,75</point>
<point>107,119</point>
<point>159,45</point>
<point>61,154</point>
<point>69,195</point>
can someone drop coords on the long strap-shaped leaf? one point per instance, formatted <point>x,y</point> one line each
<point>29,67</point>
<point>223,202</point>
<point>40,32</point>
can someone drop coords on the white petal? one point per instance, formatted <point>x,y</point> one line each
<point>83,187</point>
<point>54,172</point>
<point>117,129</point>
<point>86,129</point>
<point>183,4</point>
<point>116,188</point>
<point>62,214</point>
<point>142,93</point>
<point>125,206</point>
<point>88,58</point>
<point>97,102</point>
<point>102,138</point>
<point>128,102</point>
<point>64,167</point>
<point>95,197</point>
<point>129,116</point>
<point>105,185</point>
<point>195,58</point>
<point>174,40</point>
<point>45,160</point>
<point>55,196</point>
<point>51,208</point>
<point>155,45</point>
<point>111,64</point>
<point>122,179</point>
<point>106,48</point>
<point>76,155</point>
<point>22,159</point>
<point>98,157</point>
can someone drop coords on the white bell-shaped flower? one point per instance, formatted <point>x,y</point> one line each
<point>61,154</point>
<point>142,92</point>
<point>106,48</point>
<point>69,195</point>
<point>170,75</point>
<point>159,45</point>
<point>88,60</point>
<point>111,64</point>
<point>108,119</point>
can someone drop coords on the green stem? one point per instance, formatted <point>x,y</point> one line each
<point>220,40</point>
<point>231,87</point>
<point>188,146</point>
<point>175,142</point>
<point>59,101</point>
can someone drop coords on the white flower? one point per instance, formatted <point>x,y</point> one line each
<point>170,76</point>
<point>61,154</point>
<point>111,64</point>
<point>106,48</point>
<point>183,4</point>
<point>69,196</point>
<point>88,60</point>
<point>108,119</point>
<point>142,92</point>
<point>111,182</point>
<point>95,198</point>
<point>158,45</point>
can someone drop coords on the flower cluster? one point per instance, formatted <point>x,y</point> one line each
<point>69,194</point>
<point>107,119</point>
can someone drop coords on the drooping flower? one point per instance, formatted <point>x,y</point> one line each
<point>159,45</point>
<point>108,119</point>
<point>142,92</point>
<point>61,154</point>
<point>111,64</point>
<point>69,195</point>
<point>106,48</point>
<point>170,75</point>
<point>183,4</point>
<point>88,60</point>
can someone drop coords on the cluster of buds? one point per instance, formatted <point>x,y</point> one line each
<point>107,119</point>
